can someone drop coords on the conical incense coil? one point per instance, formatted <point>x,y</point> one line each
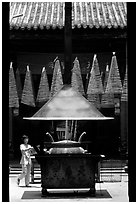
<point>43,91</point>
<point>57,81</point>
<point>13,97</point>
<point>76,79</point>
<point>94,98</point>
<point>95,83</point>
<point>107,100</point>
<point>124,96</point>
<point>28,94</point>
<point>114,84</point>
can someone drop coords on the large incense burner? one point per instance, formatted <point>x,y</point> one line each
<point>66,164</point>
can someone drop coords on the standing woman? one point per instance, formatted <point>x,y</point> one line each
<point>25,161</point>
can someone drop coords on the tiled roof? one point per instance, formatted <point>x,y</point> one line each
<point>52,15</point>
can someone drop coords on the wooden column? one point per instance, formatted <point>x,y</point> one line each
<point>10,125</point>
<point>10,132</point>
<point>124,125</point>
<point>68,43</point>
<point>124,119</point>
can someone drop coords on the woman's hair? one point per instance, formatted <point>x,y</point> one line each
<point>25,137</point>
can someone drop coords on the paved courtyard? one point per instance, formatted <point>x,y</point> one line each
<point>105,192</point>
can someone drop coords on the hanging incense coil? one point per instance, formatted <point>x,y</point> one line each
<point>124,96</point>
<point>57,81</point>
<point>114,84</point>
<point>95,82</point>
<point>28,93</point>
<point>107,100</point>
<point>13,96</point>
<point>76,79</point>
<point>43,91</point>
<point>94,99</point>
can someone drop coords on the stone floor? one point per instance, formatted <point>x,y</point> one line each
<point>118,192</point>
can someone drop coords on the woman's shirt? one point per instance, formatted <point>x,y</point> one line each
<point>25,159</point>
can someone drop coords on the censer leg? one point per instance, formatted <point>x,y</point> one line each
<point>44,192</point>
<point>92,191</point>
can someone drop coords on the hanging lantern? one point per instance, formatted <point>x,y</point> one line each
<point>13,97</point>
<point>43,91</point>
<point>57,81</point>
<point>27,94</point>
<point>76,79</point>
<point>124,96</point>
<point>18,84</point>
<point>114,84</point>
